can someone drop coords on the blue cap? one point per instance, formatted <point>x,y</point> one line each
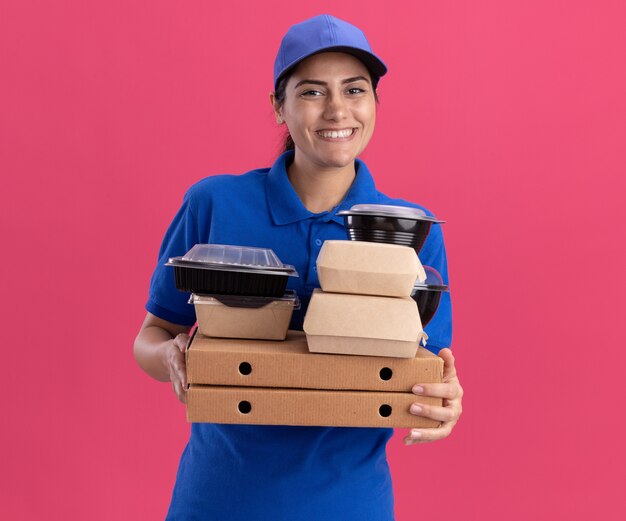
<point>321,34</point>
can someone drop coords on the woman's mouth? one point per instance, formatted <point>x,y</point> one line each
<point>336,135</point>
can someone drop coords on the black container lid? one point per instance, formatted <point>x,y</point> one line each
<point>386,210</point>
<point>233,258</point>
<point>433,282</point>
<point>243,301</point>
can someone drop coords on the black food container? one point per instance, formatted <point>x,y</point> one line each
<point>231,270</point>
<point>427,294</point>
<point>401,225</point>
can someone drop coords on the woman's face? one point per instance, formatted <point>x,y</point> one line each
<point>330,109</point>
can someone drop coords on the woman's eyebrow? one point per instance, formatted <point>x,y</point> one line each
<point>312,82</point>
<point>323,83</point>
<point>356,78</point>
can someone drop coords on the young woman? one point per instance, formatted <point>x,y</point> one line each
<point>325,93</point>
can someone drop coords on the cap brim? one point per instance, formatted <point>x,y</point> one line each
<point>374,64</point>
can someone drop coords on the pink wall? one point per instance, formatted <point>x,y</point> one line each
<point>508,119</point>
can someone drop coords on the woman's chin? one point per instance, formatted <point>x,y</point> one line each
<point>338,160</point>
<point>330,157</point>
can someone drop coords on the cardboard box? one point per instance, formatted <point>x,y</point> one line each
<point>363,325</point>
<point>368,268</point>
<point>268,321</point>
<point>289,364</point>
<point>259,406</point>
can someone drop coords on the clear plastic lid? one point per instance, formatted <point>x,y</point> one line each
<point>387,210</point>
<point>433,282</point>
<point>290,298</point>
<point>222,256</point>
<point>261,258</point>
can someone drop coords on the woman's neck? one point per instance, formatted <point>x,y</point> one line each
<point>320,189</point>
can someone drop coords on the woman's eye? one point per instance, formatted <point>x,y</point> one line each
<point>355,90</point>
<point>311,93</point>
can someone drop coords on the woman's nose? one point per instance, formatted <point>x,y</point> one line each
<point>335,107</point>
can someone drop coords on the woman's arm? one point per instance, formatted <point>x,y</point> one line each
<point>160,351</point>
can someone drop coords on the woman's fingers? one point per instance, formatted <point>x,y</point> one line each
<point>428,435</point>
<point>449,370</point>
<point>449,390</point>
<point>181,371</point>
<point>181,340</point>
<point>177,368</point>
<point>179,391</point>
<point>182,376</point>
<point>435,412</point>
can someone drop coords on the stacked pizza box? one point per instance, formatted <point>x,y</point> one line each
<point>354,365</point>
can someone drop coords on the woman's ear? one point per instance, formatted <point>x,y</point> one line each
<point>277,109</point>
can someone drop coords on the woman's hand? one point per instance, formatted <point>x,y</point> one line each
<point>452,393</point>
<point>174,358</point>
<point>160,351</point>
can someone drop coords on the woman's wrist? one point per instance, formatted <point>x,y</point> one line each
<point>152,348</point>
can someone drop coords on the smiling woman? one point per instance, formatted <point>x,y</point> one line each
<point>329,107</point>
<point>330,110</point>
<point>325,79</point>
<point>278,98</point>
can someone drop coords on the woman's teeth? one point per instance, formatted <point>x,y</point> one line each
<point>334,134</point>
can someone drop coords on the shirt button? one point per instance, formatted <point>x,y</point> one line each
<point>318,242</point>
<point>314,268</point>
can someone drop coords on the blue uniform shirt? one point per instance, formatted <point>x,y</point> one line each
<point>279,473</point>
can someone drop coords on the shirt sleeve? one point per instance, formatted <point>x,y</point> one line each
<point>164,300</point>
<point>433,254</point>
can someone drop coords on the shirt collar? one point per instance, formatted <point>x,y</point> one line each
<point>286,207</point>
